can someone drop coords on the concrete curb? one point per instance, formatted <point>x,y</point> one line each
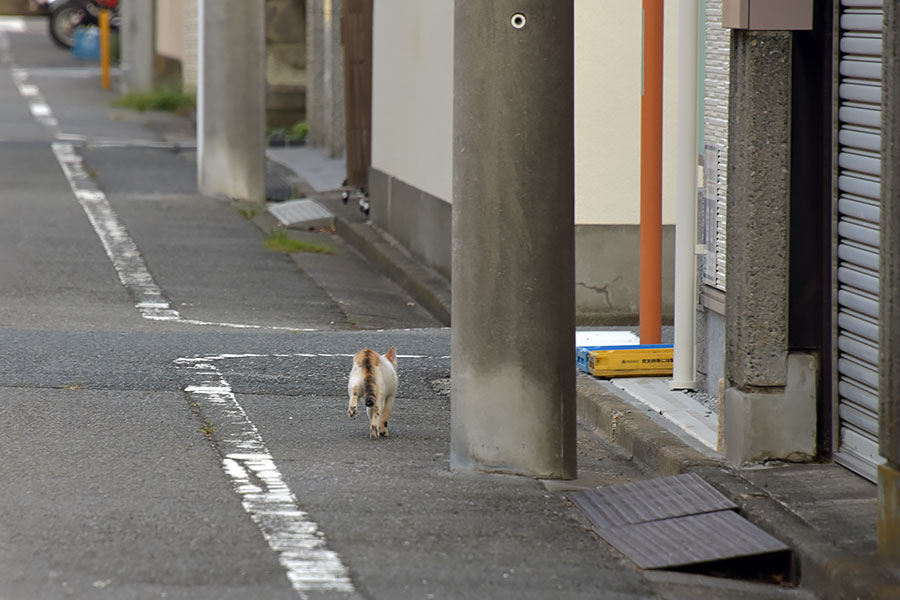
<point>823,568</point>
<point>647,442</point>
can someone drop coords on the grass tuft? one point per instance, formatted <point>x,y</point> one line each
<point>279,241</point>
<point>248,211</point>
<point>166,99</point>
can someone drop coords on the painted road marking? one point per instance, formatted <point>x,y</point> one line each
<point>250,467</point>
<point>301,547</point>
<point>15,24</point>
<point>39,108</point>
<point>219,357</point>
<point>120,248</point>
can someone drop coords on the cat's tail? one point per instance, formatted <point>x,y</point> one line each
<point>370,391</point>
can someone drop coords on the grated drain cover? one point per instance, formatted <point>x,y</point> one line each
<point>672,521</point>
<point>302,214</point>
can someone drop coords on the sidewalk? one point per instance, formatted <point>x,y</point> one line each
<point>826,514</point>
<point>312,175</point>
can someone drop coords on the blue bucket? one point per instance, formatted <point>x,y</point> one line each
<point>87,43</point>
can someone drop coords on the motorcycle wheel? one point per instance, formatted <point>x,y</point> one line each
<point>64,19</point>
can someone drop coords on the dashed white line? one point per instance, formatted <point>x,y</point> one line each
<point>301,547</point>
<point>39,108</point>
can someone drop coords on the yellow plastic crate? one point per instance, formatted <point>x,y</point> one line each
<point>631,361</point>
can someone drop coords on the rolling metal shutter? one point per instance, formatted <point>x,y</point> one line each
<point>857,252</point>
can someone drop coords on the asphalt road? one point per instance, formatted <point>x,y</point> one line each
<point>208,454</point>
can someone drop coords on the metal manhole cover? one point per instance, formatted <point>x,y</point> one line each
<point>302,214</point>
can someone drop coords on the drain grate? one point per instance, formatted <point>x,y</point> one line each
<point>302,214</point>
<point>674,521</point>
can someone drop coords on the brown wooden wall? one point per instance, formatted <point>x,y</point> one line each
<point>357,38</point>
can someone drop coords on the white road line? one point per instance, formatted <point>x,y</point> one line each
<point>302,550</point>
<point>121,249</point>
<point>15,24</point>
<point>39,108</point>
<point>220,357</point>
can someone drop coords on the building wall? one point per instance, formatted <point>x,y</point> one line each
<point>608,112</point>
<point>412,107</point>
<point>15,7</point>
<point>412,93</point>
<point>712,207</point>
<point>189,45</point>
<point>169,31</point>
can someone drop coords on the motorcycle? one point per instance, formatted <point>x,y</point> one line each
<point>65,16</point>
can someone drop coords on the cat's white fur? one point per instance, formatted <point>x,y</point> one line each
<point>374,379</point>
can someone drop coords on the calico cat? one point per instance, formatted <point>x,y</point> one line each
<point>374,379</point>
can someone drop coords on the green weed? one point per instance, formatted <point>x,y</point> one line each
<point>279,241</point>
<point>164,98</point>
<point>248,211</point>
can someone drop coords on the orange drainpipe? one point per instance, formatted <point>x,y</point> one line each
<point>104,49</point>
<point>651,174</point>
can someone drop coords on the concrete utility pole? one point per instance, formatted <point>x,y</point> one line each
<point>136,35</point>
<point>513,275</point>
<point>231,99</point>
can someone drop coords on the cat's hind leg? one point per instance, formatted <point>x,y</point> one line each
<point>385,415</point>
<point>354,404</point>
<point>374,415</point>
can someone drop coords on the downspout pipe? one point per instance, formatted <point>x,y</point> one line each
<point>651,172</point>
<point>684,367</point>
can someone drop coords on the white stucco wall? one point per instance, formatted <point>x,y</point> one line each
<point>412,93</point>
<point>169,28</point>
<point>412,103</point>
<point>608,112</point>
